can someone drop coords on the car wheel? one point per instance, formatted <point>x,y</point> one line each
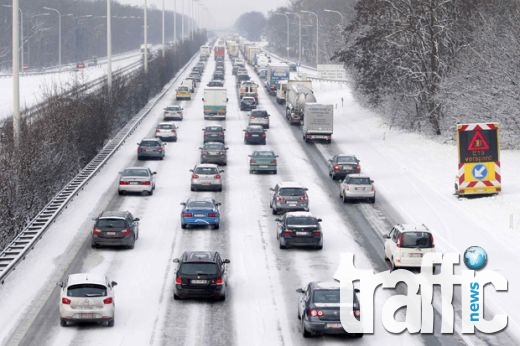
<point>251,171</point>
<point>372,200</point>
<point>282,246</point>
<point>319,247</point>
<point>392,264</point>
<point>63,322</point>
<point>120,193</point>
<point>274,211</point>
<point>150,192</point>
<point>131,246</point>
<point>305,332</point>
<point>222,297</point>
<point>344,198</point>
<point>176,297</point>
<point>93,245</point>
<point>333,176</point>
<point>184,226</point>
<point>216,226</point>
<point>219,189</point>
<point>111,322</point>
<point>358,335</point>
<point>192,188</point>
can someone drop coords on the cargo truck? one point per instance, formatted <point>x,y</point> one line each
<point>215,100</point>
<point>275,73</point>
<point>296,98</point>
<point>220,51</point>
<point>318,122</point>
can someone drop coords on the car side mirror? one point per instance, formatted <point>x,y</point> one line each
<point>226,261</point>
<point>221,170</point>
<point>191,170</point>
<point>227,148</point>
<point>218,203</point>
<point>356,290</point>
<point>183,203</point>
<point>203,99</point>
<point>300,290</point>
<point>154,172</point>
<point>386,236</point>
<point>250,155</point>
<point>200,148</point>
<point>176,260</point>
<point>371,181</point>
<point>137,219</point>
<point>271,189</point>
<point>319,220</point>
<point>59,283</point>
<point>113,283</point>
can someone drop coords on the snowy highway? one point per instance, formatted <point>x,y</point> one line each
<point>261,306</point>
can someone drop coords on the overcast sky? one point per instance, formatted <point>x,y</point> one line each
<point>223,12</point>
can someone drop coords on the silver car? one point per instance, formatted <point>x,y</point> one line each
<point>213,152</point>
<point>136,180</point>
<point>173,112</point>
<point>166,131</point>
<point>150,148</point>
<point>357,186</point>
<point>289,196</point>
<point>206,176</point>
<point>259,117</point>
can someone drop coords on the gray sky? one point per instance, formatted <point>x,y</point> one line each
<point>223,12</point>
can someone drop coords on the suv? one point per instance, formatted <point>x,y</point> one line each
<point>214,133</point>
<point>405,245</point>
<point>115,228</point>
<point>200,274</point>
<point>87,297</point>
<point>357,186</point>
<point>289,196</point>
<point>299,228</point>
<point>259,117</point>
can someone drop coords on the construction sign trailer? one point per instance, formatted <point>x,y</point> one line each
<point>479,159</point>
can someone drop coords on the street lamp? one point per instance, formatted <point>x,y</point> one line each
<point>109,47</point>
<point>59,32</point>
<point>16,79</point>
<point>163,47</point>
<point>338,12</point>
<point>174,21</point>
<point>182,20</point>
<point>317,35</point>
<point>287,30</point>
<point>299,36</point>
<point>21,33</point>
<point>145,50</point>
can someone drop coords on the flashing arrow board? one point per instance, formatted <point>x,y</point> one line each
<point>478,143</point>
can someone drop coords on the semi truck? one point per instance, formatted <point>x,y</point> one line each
<point>296,97</point>
<point>281,91</point>
<point>220,51</point>
<point>215,101</point>
<point>276,73</point>
<point>318,122</point>
<point>232,48</point>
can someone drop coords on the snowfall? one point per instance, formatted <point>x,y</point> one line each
<point>414,178</point>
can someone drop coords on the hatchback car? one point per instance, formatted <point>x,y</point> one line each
<point>341,165</point>
<point>357,186</point>
<point>150,148</point>
<point>319,309</point>
<point>136,180</point>
<point>166,131</point>
<point>214,152</point>
<point>216,83</point>
<point>214,133</point>
<point>247,103</point>
<point>200,212</point>
<point>218,75</point>
<point>405,245</point>
<point>255,134</point>
<point>115,228</point>
<point>200,274</point>
<point>299,228</point>
<point>289,196</point>
<point>206,176</point>
<point>259,117</point>
<point>183,93</point>
<point>87,297</point>
<point>173,112</point>
<point>263,161</point>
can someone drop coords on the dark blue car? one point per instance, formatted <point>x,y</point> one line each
<point>200,212</point>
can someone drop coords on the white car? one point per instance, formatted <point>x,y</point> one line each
<point>173,112</point>
<point>206,176</point>
<point>406,245</point>
<point>259,117</point>
<point>87,297</point>
<point>357,186</point>
<point>166,131</point>
<point>136,180</point>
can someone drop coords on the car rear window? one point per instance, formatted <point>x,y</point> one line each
<point>214,129</point>
<point>165,126</point>
<point>115,223</point>
<point>213,146</point>
<point>359,181</point>
<point>255,129</point>
<point>263,153</point>
<point>206,170</point>
<point>86,290</point>
<point>135,173</point>
<point>198,268</point>
<point>172,108</point>
<point>326,296</point>
<point>346,159</point>
<point>301,221</point>
<point>200,204</point>
<point>292,191</point>
<point>150,144</point>
<point>417,240</point>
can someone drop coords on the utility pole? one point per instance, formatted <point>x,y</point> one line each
<point>109,48</point>
<point>163,46</point>
<point>145,58</point>
<point>16,76</point>
<point>174,21</point>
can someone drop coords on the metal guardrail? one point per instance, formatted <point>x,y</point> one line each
<point>25,241</point>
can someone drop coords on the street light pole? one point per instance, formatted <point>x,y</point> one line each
<point>145,58</point>
<point>299,36</point>
<point>182,21</point>
<point>191,25</point>
<point>16,76</point>
<point>163,46</point>
<point>59,33</point>
<point>287,30</point>
<point>317,36</point>
<point>21,35</point>
<point>109,47</point>
<point>338,12</point>
<point>174,21</point>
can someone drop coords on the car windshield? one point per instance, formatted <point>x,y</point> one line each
<point>135,173</point>
<point>86,290</point>
<point>359,181</point>
<point>198,268</point>
<point>111,223</point>
<point>165,126</point>
<point>417,240</point>
<point>263,154</point>
<point>214,146</point>
<point>347,159</point>
<point>301,221</point>
<point>200,205</point>
<point>292,191</point>
<point>149,144</point>
<point>173,108</point>
<point>206,170</point>
<point>326,296</point>
<point>248,99</point>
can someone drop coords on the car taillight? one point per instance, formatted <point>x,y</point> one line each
<point>357,313</point>
<point>358,168</point>
<point>314,313</point>
<point>187,214</point>
<point>303,198</point>
<point>123,182</point>
<point>212,214</point>
<point>280,199</point>
<point>125,232</point>
<point>219,281</point>
<point>336,167</point>
<point>252,161</point>
<point>194,176</point>
<point>147,182</point>
<point>108,300</point>
<point>158,130</point>
<point>248,134</point>
<point>400,240</point>
<point>140,150</point>
<point>287,232</point>
<point>217,176</point>
<point>178,281</point>
<point>206,133</point>
<point>273,162</point>
<point>65,300</point>
<point>263,135</point>
<point>316,233</point>
<point>96,231</point>
<point>173,131</point>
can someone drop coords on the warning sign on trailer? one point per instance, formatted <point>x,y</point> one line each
<point>478,143</point>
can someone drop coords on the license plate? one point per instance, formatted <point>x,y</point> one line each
<point>302,233</point>
<point>263,166</point>
<point>198,282</point>
<point>333,325</point>
<point>255,135</point>
<point>213,153</point>
<point>292,203</point>
<point>87,316</point>
<point>415,255</point>
<point>199,215</point>
<point>111,233</point>
<point>134,183</point>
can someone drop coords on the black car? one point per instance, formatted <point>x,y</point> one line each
<point>255,134</point>
<point>195,76</point>
<point>341,165</point>
<point>247,103</point>
<point>115,228</point>
<point>219,75</point>
<point>213,152</point>
<point>216,83</point>
<point>319,309</point>
<point>200,274</point>
<point>299,228</point>
<point>214,133</point>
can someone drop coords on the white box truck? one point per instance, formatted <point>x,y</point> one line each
<point>318,122</point>
<point>215,100</point>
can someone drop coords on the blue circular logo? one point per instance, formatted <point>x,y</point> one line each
<point>475,257</point>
